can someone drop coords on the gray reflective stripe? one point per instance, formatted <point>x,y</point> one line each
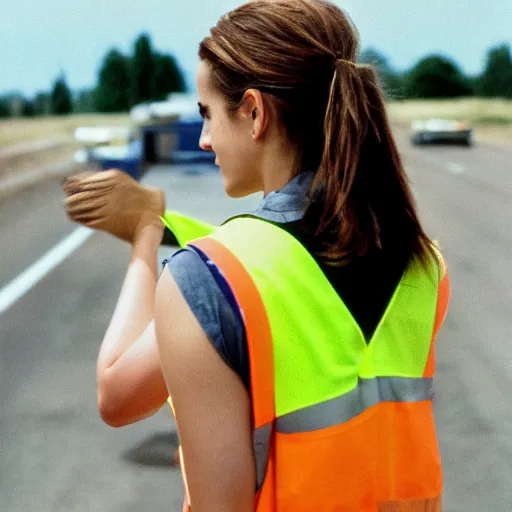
<point>261,442</point>
<point>368,392</point>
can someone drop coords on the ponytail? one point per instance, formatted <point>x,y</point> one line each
<point>361,185</point>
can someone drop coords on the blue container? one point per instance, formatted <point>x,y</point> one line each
<point>187,147</point>
<point>130,166</point>
<point>180,143</point>
<point>127,160</point>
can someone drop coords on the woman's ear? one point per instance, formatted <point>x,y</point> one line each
<point>254,110</point>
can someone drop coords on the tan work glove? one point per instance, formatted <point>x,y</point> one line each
<point>114,202</point>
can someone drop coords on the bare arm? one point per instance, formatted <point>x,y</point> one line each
<point>130,381</point>
<point>212,408</point>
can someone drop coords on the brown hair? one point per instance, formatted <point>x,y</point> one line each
<point>302,53</point>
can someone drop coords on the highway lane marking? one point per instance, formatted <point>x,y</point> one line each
<point>21,284</point>
<point>455,168</point>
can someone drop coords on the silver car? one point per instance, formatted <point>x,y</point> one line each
<point>444,131</point>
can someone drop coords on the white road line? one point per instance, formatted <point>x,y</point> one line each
<point>20,285</point>
<point>455,168</point>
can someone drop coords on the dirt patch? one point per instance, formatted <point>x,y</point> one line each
<point>19,131</point>
<point>477,110</point>
<point>19,163</point>
<point>33,149</point>
<point>19,171</point>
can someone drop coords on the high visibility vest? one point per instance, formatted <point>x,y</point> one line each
<point>339,424</point>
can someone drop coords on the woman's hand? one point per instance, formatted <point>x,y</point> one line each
<point>114,202</point>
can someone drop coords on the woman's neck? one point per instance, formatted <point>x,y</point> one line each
<point>279,166</point>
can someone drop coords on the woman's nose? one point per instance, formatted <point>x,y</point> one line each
<point>205,142</point>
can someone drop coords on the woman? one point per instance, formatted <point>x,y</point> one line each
<point>297,342</point>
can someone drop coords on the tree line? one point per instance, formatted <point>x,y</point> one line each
<point>438,77</point>
<point>123,81</point>
<point>148,75</point>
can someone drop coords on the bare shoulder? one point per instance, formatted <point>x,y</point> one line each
<point>178,331</point>
<point>212,407</point>
<point>184,347</point>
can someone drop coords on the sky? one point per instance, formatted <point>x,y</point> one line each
<point>39,38</point>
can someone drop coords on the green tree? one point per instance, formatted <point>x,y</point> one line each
<point>28,108</point>
<point>5,111</point>
<point>15,102</point>
<point>436,77</point>
<point>84,101</point>
<point>60,99</point>
<point>142,71</point>
<point>112,92</point>
<point>168,77</point>
<point>496,79</point>
<point>392,81</point>
<point>42,103</point>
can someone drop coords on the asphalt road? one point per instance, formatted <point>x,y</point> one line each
<point>56,455</point>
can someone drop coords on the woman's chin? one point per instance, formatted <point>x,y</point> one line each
<point>235,186</point>
<point>233,192</point>
<point>233,189</point>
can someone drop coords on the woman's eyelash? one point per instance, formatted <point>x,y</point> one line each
<point>203,111</point>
